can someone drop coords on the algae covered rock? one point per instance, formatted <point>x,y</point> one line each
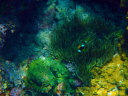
<point>44,75</point>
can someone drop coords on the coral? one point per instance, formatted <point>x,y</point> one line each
<point>15,92</point>
<point>99,35</point>
<point>65,9</point>
<point>3,32</point>
<point>109,79</point>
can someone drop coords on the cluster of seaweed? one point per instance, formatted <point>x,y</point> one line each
<point>100,35</point>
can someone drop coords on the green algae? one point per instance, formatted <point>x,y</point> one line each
<point>45,75</point>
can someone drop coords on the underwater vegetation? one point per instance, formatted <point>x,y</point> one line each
<point>86,42</point>
<point>50,77</point>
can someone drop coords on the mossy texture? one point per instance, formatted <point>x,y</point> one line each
<point>101,38</point>
<point>44,75</point>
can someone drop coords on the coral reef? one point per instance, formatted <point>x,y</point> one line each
<point>15,92</point>
<point>24,15</point>
<point>4,30</point>
<point>110,79</point>
<point>11,78</point>
<point>63,48</point>
<point>100,36</point>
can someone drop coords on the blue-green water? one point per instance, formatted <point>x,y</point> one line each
<point>48,47</point>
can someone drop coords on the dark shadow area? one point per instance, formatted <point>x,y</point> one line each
<point>108,9</point>
<point>20,45</point>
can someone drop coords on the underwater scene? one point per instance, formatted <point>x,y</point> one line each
<point>63,47</point>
